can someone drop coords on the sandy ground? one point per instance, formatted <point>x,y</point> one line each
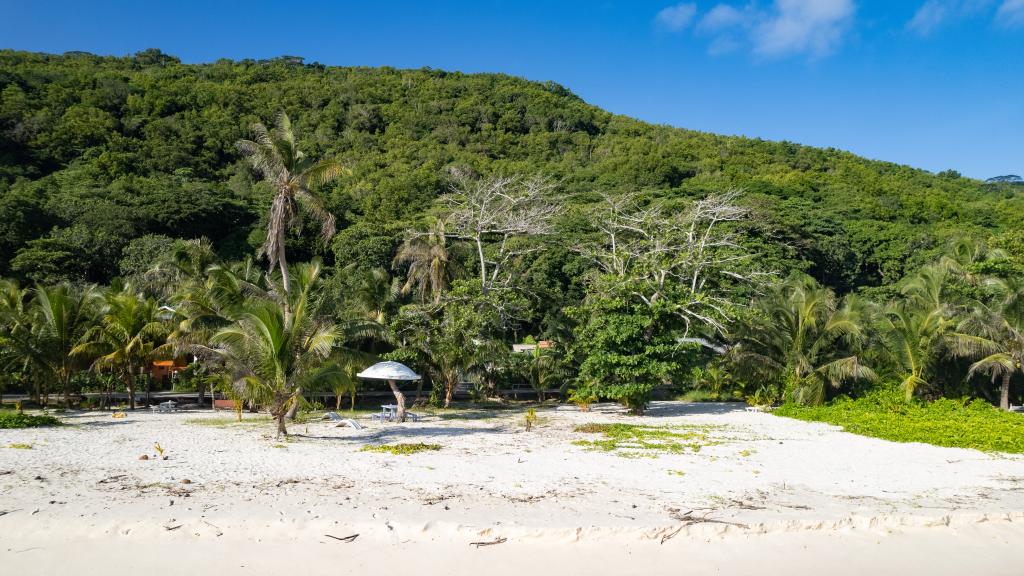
<point>762,495</point>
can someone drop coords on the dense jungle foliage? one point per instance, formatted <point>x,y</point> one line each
<point>113,167</point>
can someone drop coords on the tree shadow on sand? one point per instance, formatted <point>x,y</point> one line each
<point>403,433</point>
<point>670,409</point>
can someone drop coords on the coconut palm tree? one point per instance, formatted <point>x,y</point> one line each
<point>42,335</point>
<point>802,337</point>
<point>430,270</point>
<point>918,331</point>
<point>544,370</point>
<point>275,350</point>
<point>130,329</point>
<point>275,156</point>
<point>999,329</point>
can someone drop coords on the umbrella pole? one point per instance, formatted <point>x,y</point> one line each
<point>400,400</point>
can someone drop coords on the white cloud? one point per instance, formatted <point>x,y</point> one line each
<point>1011,13</point>
<point>788,27</point>
<point>721,17</point>
<point>677,17</point>
<point>930,16</point>
<point>813,27</point>
<point>934,14</point>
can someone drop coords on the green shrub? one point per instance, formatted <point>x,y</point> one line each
<point>21,420</point>
<point>954,423</point>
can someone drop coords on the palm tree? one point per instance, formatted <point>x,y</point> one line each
<point>803,337</point>
<point>42,335</point>
<point>130,329</point>
<point>207,299</point>
<point>544,370</point>
<point>1000,330</point>
<point>64,314</point>
<point>276,350</point>
<point>918,331</point>
<point>430,269</point>
<point>275,156</point>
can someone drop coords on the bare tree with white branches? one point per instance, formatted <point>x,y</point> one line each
<point>675,257</point>
<point>497,214</point>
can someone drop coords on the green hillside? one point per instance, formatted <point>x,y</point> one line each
<point>102,157</point>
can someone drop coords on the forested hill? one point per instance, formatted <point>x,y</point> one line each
<point>102,159</point>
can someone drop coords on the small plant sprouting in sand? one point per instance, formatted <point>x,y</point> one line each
<point>159,450</point>
<point>530,419</point>
<point>676,473</point>
<point>19,446</point>
<point>745,453</point>
<point>401,449</point>
<point>279,446</point>
<point>629,440</point>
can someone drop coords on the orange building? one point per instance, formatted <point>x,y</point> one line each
<point>162,370</point>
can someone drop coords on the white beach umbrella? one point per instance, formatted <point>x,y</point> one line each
<point>389,371</point>
<point>393,372</point>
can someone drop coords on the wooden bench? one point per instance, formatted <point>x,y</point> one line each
<point>225,404</point>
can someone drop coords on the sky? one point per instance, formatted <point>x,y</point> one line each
<point>937,84</point>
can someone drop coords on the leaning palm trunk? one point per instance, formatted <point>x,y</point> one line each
<point>280,410</point>
<point>294,409</point>
<point>400,400</point>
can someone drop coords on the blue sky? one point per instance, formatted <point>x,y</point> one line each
<point>933,83</point>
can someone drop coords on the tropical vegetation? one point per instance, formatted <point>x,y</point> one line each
<point>148,212</point>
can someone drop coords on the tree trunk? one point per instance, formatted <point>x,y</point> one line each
<point>66,389</point>
<point>201,393</point>
<point>280,424</point>
<point>337,401</point>
<point>483,265</point>
<point>1004,392</point>
<point>295,405</point>
<point>285,278</point>
<point>130,385</point>
<point>400,399</point>
<point>449,391</point>
<point>149,390</point>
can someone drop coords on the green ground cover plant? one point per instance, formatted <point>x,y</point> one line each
<point>401,449</point>
<point>632,440</point>
<point>944,422</point>
<point>21,420</point>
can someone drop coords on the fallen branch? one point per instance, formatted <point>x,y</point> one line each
<point>351,538</point>
<point>688,519</point>
<point>667,537</point>
<point>498,540</point>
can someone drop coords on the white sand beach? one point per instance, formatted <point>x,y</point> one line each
<point>763,494</point>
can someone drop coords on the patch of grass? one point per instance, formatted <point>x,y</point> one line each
<point>21,420</point>
<point>18,446</point>
<point>401,449</point>
<point>745,453</point>
<point>279,446</point>
<point>952,423</point>
<point>628,439</point>
<point>676,473</point>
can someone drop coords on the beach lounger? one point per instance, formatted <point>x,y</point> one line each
<point>336,418</point>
